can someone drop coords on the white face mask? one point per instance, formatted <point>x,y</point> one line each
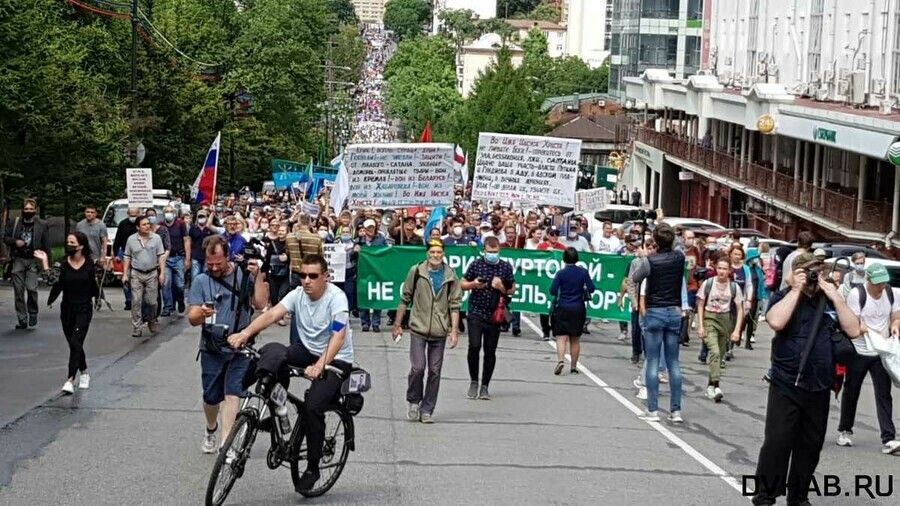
<point>201,221</point>
<point>457,231</point>
<point>323,234</point>
<point>170,217</point>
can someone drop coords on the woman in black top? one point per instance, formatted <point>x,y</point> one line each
<point>78,284</point>
<point>279,268</point>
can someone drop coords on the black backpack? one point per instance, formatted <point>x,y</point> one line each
<point>864,295</point>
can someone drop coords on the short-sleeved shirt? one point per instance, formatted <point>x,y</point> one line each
<point>314,320</point>
<point>719,296</point>
<point>547,245</point>
<point>197,235</point>
<point>144,254</point>
<point>876,315</point>
<point>789,343</point>
<point>205,289</point>
<point>483,302</point>
<point>236,244</point>
<point>177,232</point>
<point>95,233</point>
<point>606,245</point>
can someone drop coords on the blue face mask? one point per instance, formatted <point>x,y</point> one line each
<point>492,258</point>
<point>152,220</point>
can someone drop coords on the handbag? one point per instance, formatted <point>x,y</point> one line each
<point>501,315</point>
<point>842,348</point>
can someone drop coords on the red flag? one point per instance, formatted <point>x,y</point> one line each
<point>426,134</point>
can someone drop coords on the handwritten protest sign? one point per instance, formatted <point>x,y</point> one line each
<point>589,201</point>
<point>399,175</point>
<point>139,185</point>
<point>524,168</point>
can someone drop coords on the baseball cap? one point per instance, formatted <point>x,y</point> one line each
<point>820,253</point>
<point>369,224</point>
<point>552,231</point>
<point>805,261</point>
<point>877,274</point>
<point>486,224</point>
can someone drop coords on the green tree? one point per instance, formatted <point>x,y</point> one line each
<point>498,26</point>
<point>535,45</point>
<point>460,25</point>
<point>512,8</point>
<point>542,12</point>
<point>502,101</point>
<point>421,84</point>
<point>406,18</point>
<point>344,11</point>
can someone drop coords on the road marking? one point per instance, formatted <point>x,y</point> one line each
<point>658,426</point>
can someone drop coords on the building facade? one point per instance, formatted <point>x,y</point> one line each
<point>588,26</point>
<point>834,50</point>
<point>484,9</point>
<point>555,34</point>
<point>370,11</point>
<point>766,159</point>
<point>656,34</point>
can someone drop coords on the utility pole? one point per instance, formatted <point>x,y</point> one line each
<point>134,41</point>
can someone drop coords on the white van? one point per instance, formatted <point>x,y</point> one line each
<point>617,214</point>
<point>117,210</point>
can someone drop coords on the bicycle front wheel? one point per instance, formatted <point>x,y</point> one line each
<point>231,460</point>
<point>338,427</point>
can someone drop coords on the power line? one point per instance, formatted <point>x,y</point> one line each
<point>164,39</point>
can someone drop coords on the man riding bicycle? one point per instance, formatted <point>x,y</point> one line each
<point>320,315</point>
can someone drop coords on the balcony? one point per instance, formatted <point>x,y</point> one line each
<point>837,207</point>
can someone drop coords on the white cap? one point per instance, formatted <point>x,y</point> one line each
<point>369,224</point>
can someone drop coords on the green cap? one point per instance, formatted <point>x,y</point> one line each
<point>805,261</point>
<point>877,274</point>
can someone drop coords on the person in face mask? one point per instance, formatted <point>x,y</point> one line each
<point>856,276</point>
<point>574,239</point>
<point>489,279</point>
<point>457,235</point>
<point>180,249</point>
<point>125,229</point>
<point>77,284</point>
<point>25,235</point>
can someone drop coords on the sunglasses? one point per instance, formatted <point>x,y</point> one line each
<point>310,275</point>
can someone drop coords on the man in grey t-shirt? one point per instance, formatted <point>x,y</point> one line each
<point>95,230</point>
<point>144,267</point>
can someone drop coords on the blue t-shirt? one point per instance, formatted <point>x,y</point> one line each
<point>204,289</point>
<point>483,302</point>
<point>437,278</point>
<point>569,286</point>
<point>236,243</point>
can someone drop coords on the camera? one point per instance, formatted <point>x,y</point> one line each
<point>701,274</point>
<point>812,277</point>
<point>254,250</point>
<point>214,336</point>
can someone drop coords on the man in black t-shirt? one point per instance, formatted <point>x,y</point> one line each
<point>489,279</point>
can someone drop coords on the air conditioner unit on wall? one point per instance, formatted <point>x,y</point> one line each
<point>821,94</point>
<point>843,87</point>
<point>878,86</point>
<point>829,76</point>
<point>844,74</point>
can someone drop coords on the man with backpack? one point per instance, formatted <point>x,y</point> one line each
<point>436,296</point>
<point>720,311</point>
<point>878,312</point>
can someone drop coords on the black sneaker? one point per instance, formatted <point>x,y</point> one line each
<point>635,359</point>
<point>517,332</point>
<point>701,358</point>
<point>376,329</point>
<point>546,337</point>
<point>366,328</point>
<point>307,481</point>
<point>181,308</point>
<point>585,330</point>
<point>22,326</point>
<point>32,320</point>
<point>166,313</point>
<point>127,307</point>
<point>729,356</point>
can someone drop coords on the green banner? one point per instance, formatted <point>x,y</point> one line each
<point>382,272</point>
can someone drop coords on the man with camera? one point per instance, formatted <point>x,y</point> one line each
<point>220,302</point>
<point>800,379</point>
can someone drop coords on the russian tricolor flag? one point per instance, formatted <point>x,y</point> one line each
<point>204,189</point>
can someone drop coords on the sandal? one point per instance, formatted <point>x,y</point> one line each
<point>559,368</point>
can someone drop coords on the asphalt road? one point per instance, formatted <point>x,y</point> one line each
<point>134,437</point>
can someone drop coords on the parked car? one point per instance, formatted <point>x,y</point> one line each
<point>846,250</point>
<point>617,214</point>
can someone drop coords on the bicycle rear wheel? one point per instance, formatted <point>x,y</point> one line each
<point>231,460</point>
<point>338,427</point>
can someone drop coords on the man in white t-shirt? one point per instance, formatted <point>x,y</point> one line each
<point>320,337</point>
<point>606,243</point>
<point>575,240</point>
<point>879,312</point>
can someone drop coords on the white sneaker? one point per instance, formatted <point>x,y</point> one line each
<point>675,417</point>
<point>663,378</point>
<point>752,340</point>
<point>694,325</point>
<point>84,381</point>
<point>844,439</point>
<point>413,412</point>
<point>209,443</point>
<point>623,337</point>
<point>710,392</point>
<point>718,395</point>
<point>650,416</point>
<point>891,447</point>
<point>642,393</point>
<point>638,383</point>
<point>68,388</point>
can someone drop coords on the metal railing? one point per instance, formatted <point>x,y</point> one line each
<point>841,208</point>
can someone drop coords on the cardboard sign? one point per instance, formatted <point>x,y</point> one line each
<point>590,201</point>
<point>390,176</point>
<point>139,187</point>
<point>524,168</point>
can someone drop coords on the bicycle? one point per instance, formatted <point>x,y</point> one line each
<point>270,398</point>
